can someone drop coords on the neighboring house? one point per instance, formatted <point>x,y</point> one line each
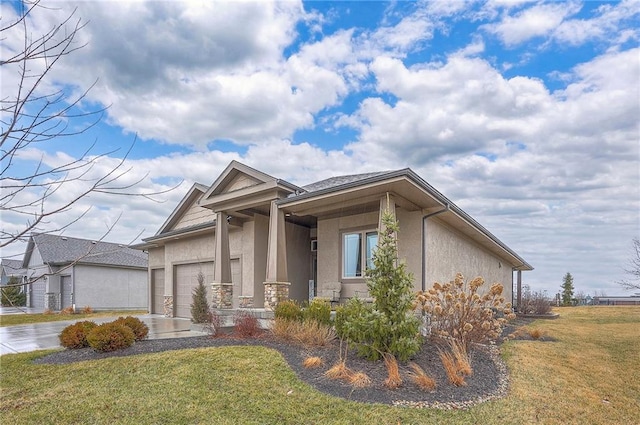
<point>630,300</point>
<point>12,268</point>
<point>71,272</point>
<point>258,239</point>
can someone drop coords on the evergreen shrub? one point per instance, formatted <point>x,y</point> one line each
<point>110,337</point>
<point>75,336</point>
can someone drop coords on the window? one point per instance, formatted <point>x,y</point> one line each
<point>357,249</point>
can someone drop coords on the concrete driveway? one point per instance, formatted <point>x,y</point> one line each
<point>40,336</point>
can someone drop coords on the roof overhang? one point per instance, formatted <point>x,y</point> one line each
<point>411,193</point>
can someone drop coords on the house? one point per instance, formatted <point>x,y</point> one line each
<point>258,240</point>
<point>12,269</point>
<point>72,272</point>
<point>619,300</point>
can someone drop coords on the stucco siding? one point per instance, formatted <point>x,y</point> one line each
<point>102,287</point>
<point>156,257</point>
<point>449,252</point>
<point>409,243</point>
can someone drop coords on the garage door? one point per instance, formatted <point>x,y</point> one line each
<point>37,294</point>
<point>157,291</point>
<point>186,279</point>
<point>66,297</point>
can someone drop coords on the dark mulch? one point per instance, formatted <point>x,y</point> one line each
<point>488,380</point>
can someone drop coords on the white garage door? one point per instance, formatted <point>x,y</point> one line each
<point>157,291</point>
<point>65,292</point>
<point>37,294</point>
<point>186,279</point>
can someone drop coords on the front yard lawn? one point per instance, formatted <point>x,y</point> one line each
<point>589,375</point>
<point>24,319</point>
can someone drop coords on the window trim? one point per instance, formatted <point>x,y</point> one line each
<point>363,236</point>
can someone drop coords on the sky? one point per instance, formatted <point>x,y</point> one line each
<point>525,114</point>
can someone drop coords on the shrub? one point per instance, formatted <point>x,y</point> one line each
<point>450,366</point>
<point>87,310</point>
<point>75,336</point>
<point>246,324</point>
<point>307,333</point>
<point>12,296</point>
<point>319,311</point>
<point>393,373</point>
<point>47,311</point>
<point>312,362</point>
<point>66,311</point>
<point>339,371</point>
<point>388,325</point>
<point>288,310</point>
<point>359,380</point>
<point>420,378</point>
<point>110,337</point>
<point>534,302</point>
<point>200,306</point>
<point>536,333</point>
<point>215,324</point>
<point>459,311</point>
<point>138,327</point>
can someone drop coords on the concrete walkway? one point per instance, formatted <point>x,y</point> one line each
<point>40,336</point>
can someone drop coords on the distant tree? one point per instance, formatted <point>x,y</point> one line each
<point>567,289</point>
<point>34,112</point>
<point>634,268</point>
<point>12,295</point>
<point>200,312</point>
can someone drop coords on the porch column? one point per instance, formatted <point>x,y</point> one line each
<point>222,288</point>
<point>386,202</point>
<point>276,285</point>
<point>519,298</point>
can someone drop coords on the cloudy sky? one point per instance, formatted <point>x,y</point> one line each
<point>525,114</point>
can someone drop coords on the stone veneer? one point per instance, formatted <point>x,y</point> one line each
<point>222,295</point>
<point>274,293</point>
<point>245,301</point>
<point>168,306</point>
<point>51,301</point>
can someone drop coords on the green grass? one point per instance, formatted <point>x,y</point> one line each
<point>562,382</point>
<point>24,319</point>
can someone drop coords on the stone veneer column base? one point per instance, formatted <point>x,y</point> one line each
<point>245,301</point>
<point>221,295</point>
<point>274,293</point>
<point>51,301</point>
<point>168,306</point>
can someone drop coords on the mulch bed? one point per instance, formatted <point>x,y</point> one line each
<point>489,379</point>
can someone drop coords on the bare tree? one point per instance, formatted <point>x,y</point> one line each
<point>633,270</point>
<point>32,114</point>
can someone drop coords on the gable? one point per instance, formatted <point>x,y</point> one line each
<point>240,181</point>
<point>193,215</point>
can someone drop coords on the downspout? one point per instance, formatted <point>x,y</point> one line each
<point>424,247</point>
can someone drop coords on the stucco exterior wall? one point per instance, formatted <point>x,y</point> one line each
<point>108,287</point>
<point>449,252</point>
<point>156,257</point>
<point>330,250</point>
<point>409,243</point>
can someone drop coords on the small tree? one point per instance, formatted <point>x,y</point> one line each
<point>567,289</point>
<point>200,312</point>
<point>388,326</point>
<point>12,295</point>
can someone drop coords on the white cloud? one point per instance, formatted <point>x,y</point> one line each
<point>536,21</point>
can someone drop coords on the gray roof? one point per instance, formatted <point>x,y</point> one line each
<point>340,180</point>
<point>13,267</point>
<point>56,249</point>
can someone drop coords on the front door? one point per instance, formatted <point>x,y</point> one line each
<point>313,279</point>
